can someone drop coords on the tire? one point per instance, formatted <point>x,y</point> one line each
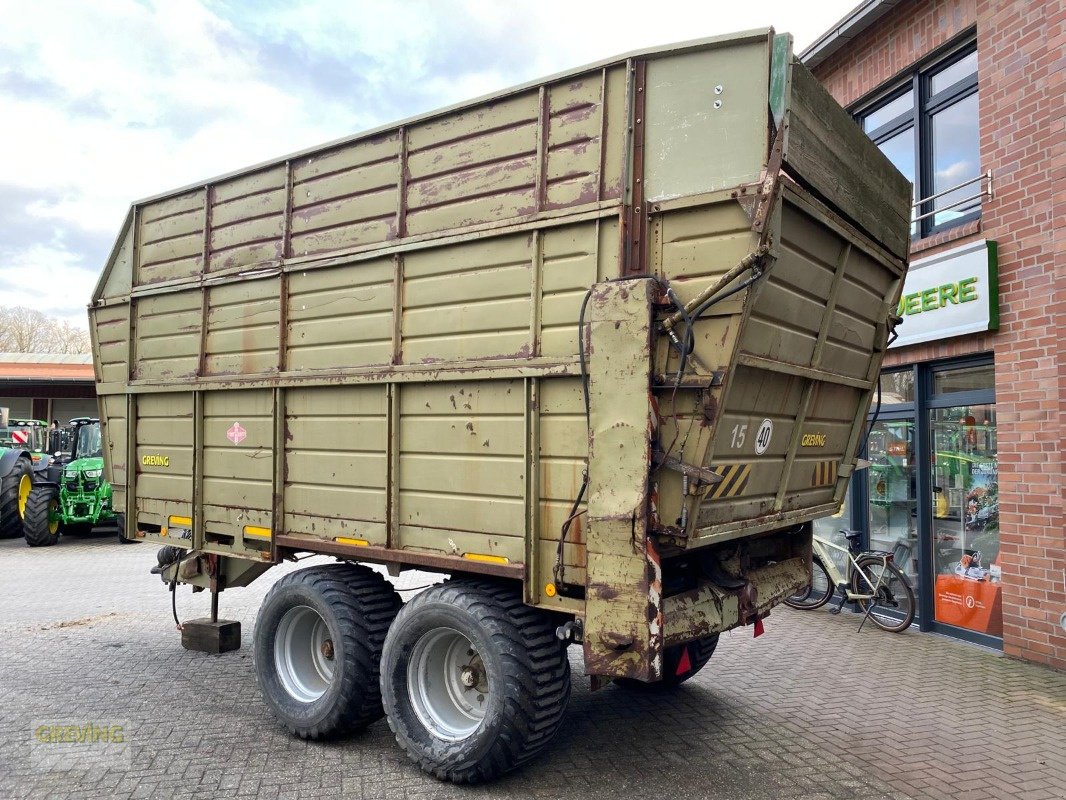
<point>816,594</point>
<point>317,651</point>
<point>893,608</point>
<point>699,653</point>
<point>41,525</point>
<point>475,631</point>
<point>78,529</point>
<point>16,484</point>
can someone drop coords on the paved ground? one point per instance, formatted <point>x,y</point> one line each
<point>812,710</point>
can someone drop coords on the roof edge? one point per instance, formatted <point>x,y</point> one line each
<point>855,22</point>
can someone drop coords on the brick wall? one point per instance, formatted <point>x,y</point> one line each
<point>1021,49</point>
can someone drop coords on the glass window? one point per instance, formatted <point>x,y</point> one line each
<point>941,125</point>
<point>830,528</point>
<point>966,518</point>
<point>893,493</point>
<point>956,159</point>
<point>900,151</point>
<point>949,76</point>
<point>888,112</point>
<point>967,379</point>
<point>897,387</point>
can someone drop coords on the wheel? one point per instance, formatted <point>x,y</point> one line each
<point>317,650</point>
<point>41,524</point>
<point>894,605</point>
<point>817,593</point>
<point>474,682</point>
<point>678,666</point>
<point>77,529</point>
<point>15,490</point>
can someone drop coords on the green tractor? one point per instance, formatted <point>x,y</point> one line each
<point>71,496</point>
<point>23,452</point>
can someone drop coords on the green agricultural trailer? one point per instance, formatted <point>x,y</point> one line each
<point>599,347</point>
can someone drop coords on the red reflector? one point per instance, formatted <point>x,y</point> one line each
<point>684,666</point>
<point>759,630</point>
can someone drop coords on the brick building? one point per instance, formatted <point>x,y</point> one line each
<point>966,97</point>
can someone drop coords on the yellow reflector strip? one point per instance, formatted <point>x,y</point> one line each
<point>487,558</point>
<point>346,540</point>
<point>258,533</point>
<point>180,522</point>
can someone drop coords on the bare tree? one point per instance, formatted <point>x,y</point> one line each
<point>24,330</point>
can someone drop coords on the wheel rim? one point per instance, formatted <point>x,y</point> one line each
<point>448,684</point>
<point>25,485</point>
<point>303,654</point>
<point>53,516</point>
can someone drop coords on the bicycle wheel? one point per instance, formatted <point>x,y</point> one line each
<point>893,605</point>
<point>817,593</point>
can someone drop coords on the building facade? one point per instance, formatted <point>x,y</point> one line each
<point>966,485</point>
<point>47,386</point>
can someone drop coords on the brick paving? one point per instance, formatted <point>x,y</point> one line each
<point>810,711</point>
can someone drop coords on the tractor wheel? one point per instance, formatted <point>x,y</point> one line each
<point>318,640</point>
<point>680,662</point>
<point>77,529</point>
<point>475,683</point>
<point>14,493</point>
<point>41,525</point>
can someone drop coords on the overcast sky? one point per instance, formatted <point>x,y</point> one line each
<point>104,102</point>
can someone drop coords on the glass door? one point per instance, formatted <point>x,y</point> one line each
<point>965,517</point>
<point>893,496</point>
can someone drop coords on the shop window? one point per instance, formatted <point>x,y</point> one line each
<point>966,517</point>
<point>897,387</point>
<point>928,128</point>
<point>967,379</point>
<point>893,492</point>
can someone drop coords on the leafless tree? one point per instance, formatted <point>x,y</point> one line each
<point>24,330</point>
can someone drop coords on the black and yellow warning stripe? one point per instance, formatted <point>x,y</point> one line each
<point>824,473</point>
<point>734,481</point>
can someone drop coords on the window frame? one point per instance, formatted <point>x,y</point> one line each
<point>919,120</point>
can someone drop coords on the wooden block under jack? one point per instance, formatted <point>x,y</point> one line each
<point>205,636</point>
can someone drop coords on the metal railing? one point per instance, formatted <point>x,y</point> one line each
<point>986,191</point>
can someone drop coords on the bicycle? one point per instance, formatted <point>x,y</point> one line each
<point>872,581</point>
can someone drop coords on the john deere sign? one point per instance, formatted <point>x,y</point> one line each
<point>950,294</point>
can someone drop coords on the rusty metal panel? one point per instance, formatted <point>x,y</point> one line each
<point>462,461</point>
<point>243,320</point>
<point>167,332</point>
<point>336,462</point>
<point>623,602</point>
<point>170,238</point>
<point>573,258</point>
<point>575,123</point>
<point>706,119</point>
<point>346,197</point>
<point>341,317</point>
<point>247,217</point>
<point>115,433</point>
<point>468,300</point>
<point>238,440</point>
<point>163,448</point>
<point>563,448</point>
<point>111,330</point>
